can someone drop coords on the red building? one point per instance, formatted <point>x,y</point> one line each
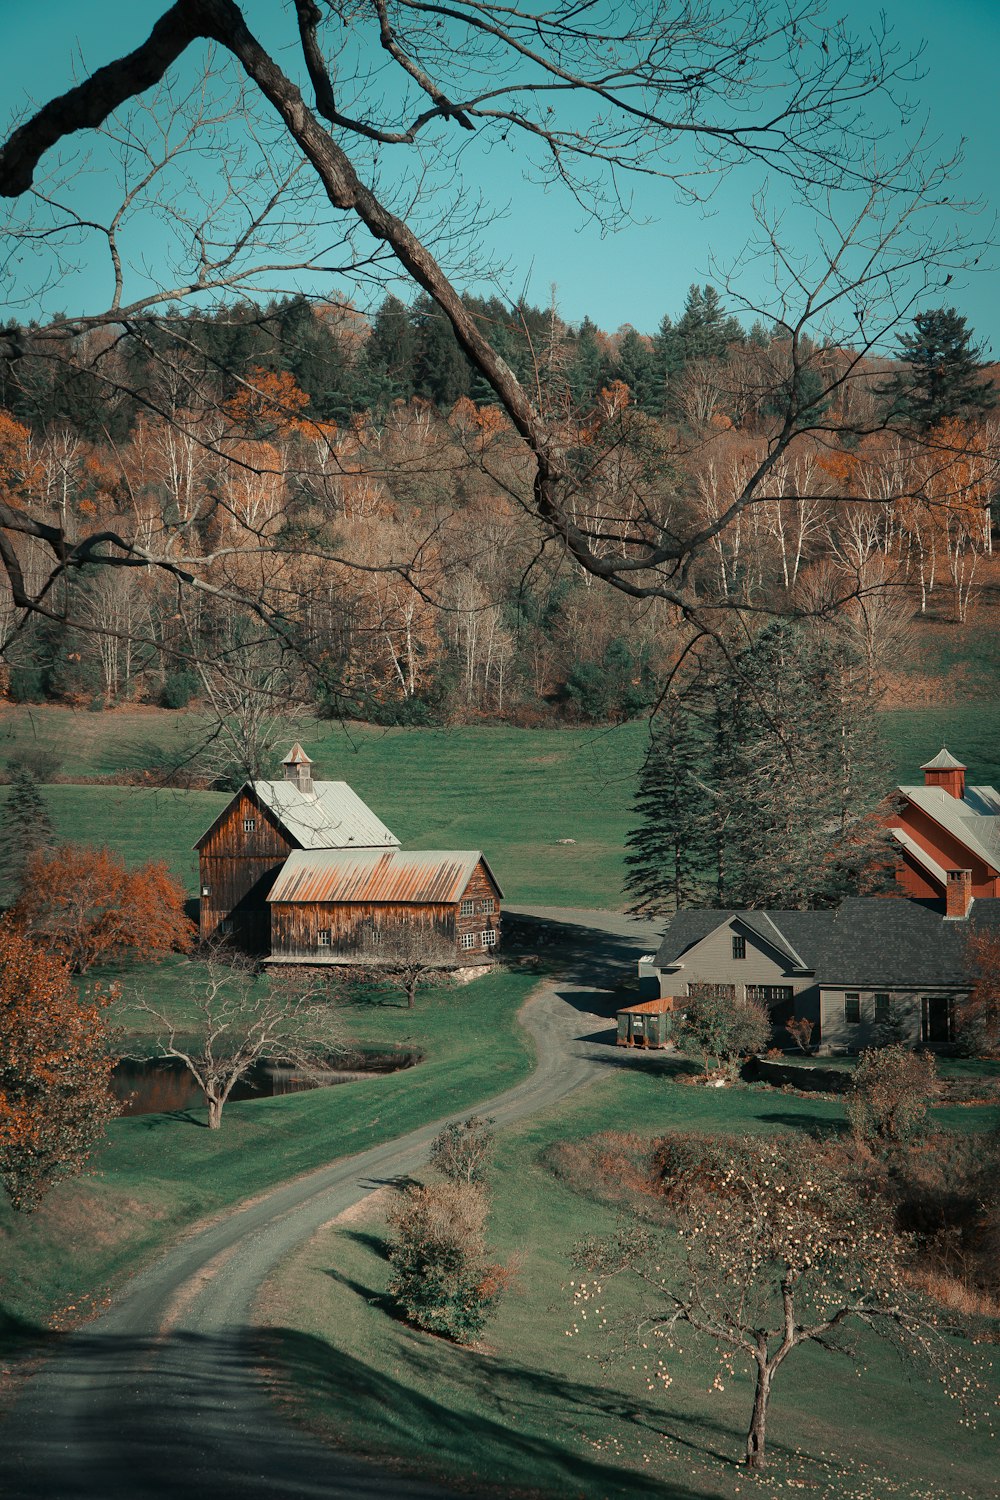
<point>948,837</point>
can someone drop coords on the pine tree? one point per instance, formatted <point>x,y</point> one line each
<point>670,856</point>
<point>26,829</point>
<point>801,774</point>
<point>942,377</point>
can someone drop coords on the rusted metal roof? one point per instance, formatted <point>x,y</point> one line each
<point>296,757</point>
<point>648,1007</point>
<point>411,876</point>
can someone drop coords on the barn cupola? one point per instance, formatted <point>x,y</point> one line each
<point>947,773</point>
<point>298,769</point>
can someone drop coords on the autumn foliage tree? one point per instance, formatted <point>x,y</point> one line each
<point>85,907</point>
<point>977,1017</point>
<point>56,1059</point>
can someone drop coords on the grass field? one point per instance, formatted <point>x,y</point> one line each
<point>533,1410</point>
<point>513,793</point>
<point>157,1174</point>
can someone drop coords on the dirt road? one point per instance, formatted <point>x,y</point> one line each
<point>160,1397</point>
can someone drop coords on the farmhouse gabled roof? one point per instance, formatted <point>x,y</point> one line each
<point>408,877</point>
<point>869,941</point>
<point>331,816</point>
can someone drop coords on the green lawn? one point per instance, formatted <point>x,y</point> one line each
<point>158,1174</point>
<point>511,792</point>
<point>535,1410</point>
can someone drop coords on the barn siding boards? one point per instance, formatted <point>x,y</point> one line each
<point>297,922</point>
<point>237,866</point>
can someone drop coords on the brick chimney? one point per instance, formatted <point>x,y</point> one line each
<point>946,772</point>
<point>298,769</point>
<point>959,894</point>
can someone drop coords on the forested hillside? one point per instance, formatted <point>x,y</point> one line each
<point>357,505</point>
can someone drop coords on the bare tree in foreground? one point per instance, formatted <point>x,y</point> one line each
<point>238,1018</point>
<point>680,92</point>
<point>777,1250</point>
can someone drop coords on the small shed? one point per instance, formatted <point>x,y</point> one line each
<point>647,1024</point>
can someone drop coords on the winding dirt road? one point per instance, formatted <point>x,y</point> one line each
<point>160,1398</point>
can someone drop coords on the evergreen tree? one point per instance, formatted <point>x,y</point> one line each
<point>441,372</point>
<point>26,829</point>
<point>763,789</point>
<point>670,854</point>
<point>638,367</point>
<point>797,775</point>
<point>391,350</point>
<point>942,376</point>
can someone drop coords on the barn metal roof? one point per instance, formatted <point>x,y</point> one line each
<point>331,816</point>
<point>411,876</point>
<point>977,831</point>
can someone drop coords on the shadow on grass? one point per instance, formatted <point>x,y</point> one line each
<point>411,1421</point>
<point>814,1125</point>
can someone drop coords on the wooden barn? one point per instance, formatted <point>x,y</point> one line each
<point>241,855</point>
<point>345,906</point>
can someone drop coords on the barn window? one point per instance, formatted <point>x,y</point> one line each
<point>739,946</point>
<point>490,938</point>
<point>467,908</point>
<point>249,824</point>
<point>323,937</point>
<point>468,940</point>
<point>487,903</point>
<point>226,925</point>
<point>852,1008</point>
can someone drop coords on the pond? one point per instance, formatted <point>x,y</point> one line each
<point>159,1085</point>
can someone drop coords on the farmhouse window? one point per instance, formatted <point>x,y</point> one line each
<point>739,946</point>
<point>852,1009</point>
<point>486,904</point>
<point>249,824</point>
<point>468,939</point>
<point>883,1009</point>
<point>323,937</point>
<point>770,994</point>
<point>468,908</point>
<point>490,938</point>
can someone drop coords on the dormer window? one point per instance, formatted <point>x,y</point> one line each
<point>739,945</point>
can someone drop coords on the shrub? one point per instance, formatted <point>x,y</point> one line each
<point>888,1100</point>
<point>441,1278</point>
<point>462,1150</point>
<point>721,1030</point>
<point>178,689</point>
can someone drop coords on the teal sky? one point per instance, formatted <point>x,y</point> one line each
<point>638,273</point>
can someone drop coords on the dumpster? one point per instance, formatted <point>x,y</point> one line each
<point>648,1024</point>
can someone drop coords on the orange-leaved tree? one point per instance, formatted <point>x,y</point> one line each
<point>56,1058</point>
<point>84,906</point>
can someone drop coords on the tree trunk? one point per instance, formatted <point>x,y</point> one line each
<point>214,1112</point>
<point>756,1456</point>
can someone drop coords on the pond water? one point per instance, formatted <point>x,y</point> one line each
<point>159,1085</point>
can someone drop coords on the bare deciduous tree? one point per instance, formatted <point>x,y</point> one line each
<point>239,1018</point>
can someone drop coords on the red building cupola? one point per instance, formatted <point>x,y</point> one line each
<point>946,772</point>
